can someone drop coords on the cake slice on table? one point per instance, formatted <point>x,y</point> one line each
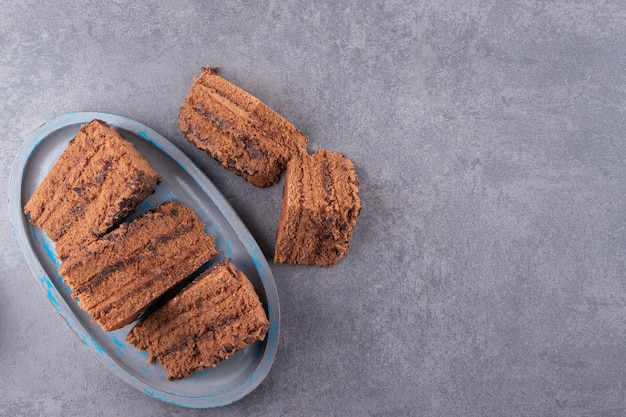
<point>119,276</point>
<point>239,131</point>
<point>99,179</point>
<point>320,207</point>
<point>213,317</point>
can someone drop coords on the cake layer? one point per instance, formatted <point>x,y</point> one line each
<point>239,131</point>
<point>120,275</point>
<point>97,181</point>
<point>320,207</point>
<point>213,317</point>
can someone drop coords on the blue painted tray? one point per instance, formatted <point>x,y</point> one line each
<point>182,181</point>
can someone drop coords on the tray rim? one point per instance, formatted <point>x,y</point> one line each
<point>19,226</point>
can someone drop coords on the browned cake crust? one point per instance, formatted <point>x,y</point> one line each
<point>239,131</point>
<point>216,315</point>
<point>320,207</point>
<point>121,274</point>
<point>98,180</point>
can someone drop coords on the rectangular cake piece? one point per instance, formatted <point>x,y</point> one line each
<point>213,317</point>
<point>118,276</point>
<point>98,179</point>
<point>320,207</point>
<point>239,131</point>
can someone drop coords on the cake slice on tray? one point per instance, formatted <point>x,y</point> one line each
<point>120,275</point>
<point>216,315</point>
<point>97,181</point>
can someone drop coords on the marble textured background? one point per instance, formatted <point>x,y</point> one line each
<point>487,273</point>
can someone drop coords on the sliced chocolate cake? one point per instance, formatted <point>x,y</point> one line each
<point>98,179</point>
<point>239,131</point>
<point>118,276</point>
<point>320,207</point>
<point>213,317</point>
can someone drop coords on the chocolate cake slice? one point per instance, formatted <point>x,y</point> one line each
<point>213,317</point>
<point>118,276</point>
<point>98,179</point>
<point>239,131</point>
<point>320,207</point>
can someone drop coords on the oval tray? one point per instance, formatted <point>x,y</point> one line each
<point>182,181</point>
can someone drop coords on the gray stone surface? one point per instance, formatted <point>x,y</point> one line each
<point>487,274</point>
